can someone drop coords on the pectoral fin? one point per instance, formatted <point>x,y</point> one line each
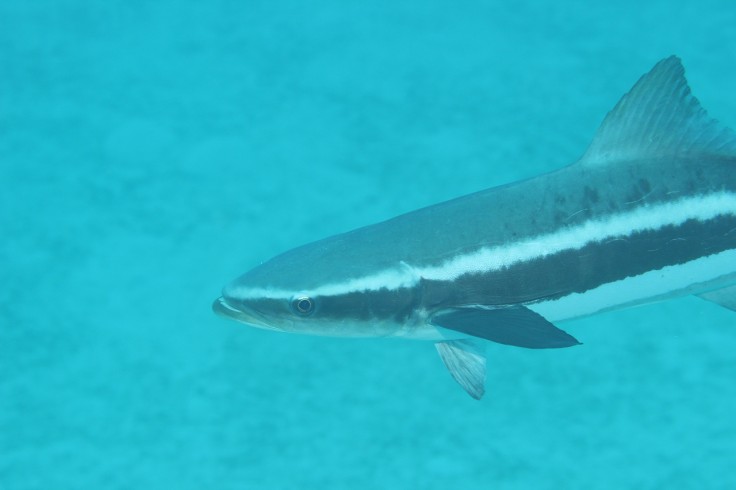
<point>725,297</point>
<point>511,325</point>
<point>466,361</point>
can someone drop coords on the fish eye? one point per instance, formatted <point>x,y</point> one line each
<point>303,305</point>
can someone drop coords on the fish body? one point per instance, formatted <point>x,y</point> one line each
<point>647,213</point>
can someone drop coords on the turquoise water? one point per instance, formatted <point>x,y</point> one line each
<point>152,151</point>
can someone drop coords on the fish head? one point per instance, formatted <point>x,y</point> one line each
<point>330,287</point>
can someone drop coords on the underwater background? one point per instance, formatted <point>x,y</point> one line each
<point>150,152</point>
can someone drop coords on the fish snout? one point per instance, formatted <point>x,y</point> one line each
<point>228,308</point>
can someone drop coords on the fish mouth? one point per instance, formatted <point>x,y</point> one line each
<point>224,309</point>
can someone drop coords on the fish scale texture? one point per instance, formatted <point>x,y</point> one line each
<point>150,152</point>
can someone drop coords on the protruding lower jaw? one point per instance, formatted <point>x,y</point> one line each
<point>221,307</point>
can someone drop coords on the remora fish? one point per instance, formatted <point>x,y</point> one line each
<point>647,213</point>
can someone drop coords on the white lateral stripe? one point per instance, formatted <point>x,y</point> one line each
<point>487,259</point>
<point>645,218</point>
<point>387,278</point>
<point>692,277</point>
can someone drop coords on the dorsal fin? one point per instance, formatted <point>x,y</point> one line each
<point>659,118</point>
